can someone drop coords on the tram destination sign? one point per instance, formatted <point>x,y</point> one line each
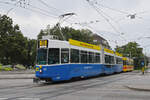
<point>83,44</point>
<point>118,54</point>
<point>43,43</point>
<point>108,51</point>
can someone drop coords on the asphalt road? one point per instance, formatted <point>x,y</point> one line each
<point>99,88</point>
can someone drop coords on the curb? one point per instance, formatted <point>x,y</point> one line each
<point>137,89</point>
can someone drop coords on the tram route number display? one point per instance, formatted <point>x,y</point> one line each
<point>43,43</point>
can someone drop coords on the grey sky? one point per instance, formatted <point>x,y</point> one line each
<point>32,22</point>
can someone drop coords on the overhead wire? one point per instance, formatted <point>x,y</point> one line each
<point>107,20</point>
<point>12,8</point>
<point>42,10</point>
<point>51,7</point>
<point>113,25</point>
<point>116,10</point>
<point>99,33</point>
<point>48,15</point>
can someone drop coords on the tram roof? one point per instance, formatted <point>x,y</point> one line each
<point>66,44</point>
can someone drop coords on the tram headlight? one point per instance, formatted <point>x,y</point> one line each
<point>40,70</point>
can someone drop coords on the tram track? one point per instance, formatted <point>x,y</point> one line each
<point>80,87</point>
<point>67,88</point>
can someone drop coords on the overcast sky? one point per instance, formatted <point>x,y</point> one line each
<point>112,16</point>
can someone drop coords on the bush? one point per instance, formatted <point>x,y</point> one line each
<point>5,68</point>
<point>18,66</point>
<point>1,67</point>
<point>8,69</point>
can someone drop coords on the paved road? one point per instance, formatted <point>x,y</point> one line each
<point>99,88</point>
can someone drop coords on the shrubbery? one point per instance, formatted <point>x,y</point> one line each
<point>5,68</point>
<point>18,66</point>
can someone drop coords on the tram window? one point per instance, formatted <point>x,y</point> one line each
<point>53,56</point>
<point>83,56</point>
<point>112,59</point>
<point>74,56</point>
<point>109,59</point>
<point>91,57</point>
<point>64,55</point>
<point>42,56</point>
<point>124,62</point>
<point>118,61</point>
<point>128,63</point>
<point>131,63</point>
<point>97,58</point>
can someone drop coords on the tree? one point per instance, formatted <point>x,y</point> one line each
<point>132,50</point>
<point>32,45</point>
<point>14,47</point>
<point>84,35</point>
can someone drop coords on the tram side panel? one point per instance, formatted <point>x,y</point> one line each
<point>86,70</point>
<point>54,72</point>
<point>68,71</point>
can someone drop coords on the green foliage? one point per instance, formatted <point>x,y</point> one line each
<point>1,67</point>
<point>14,47</point>
<point>8,69</point>
<point>5,68</point>
<point>18,66</point>
<point>132,50</point>
<point>84,35</point>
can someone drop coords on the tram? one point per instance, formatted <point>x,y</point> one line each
<point>62,60</point>
<point>127,64</point>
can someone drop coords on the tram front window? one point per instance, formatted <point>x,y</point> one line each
<point>53,56</point>
<point>42,56</point>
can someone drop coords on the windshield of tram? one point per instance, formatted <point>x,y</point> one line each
<point>41,56</point>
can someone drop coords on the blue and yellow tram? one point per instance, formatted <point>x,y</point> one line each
<point>61,60</point>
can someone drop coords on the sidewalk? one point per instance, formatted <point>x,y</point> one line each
<point>18,72</point>
<point>17,76</point>
<point>139,82</point>
<point>27,74</point>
